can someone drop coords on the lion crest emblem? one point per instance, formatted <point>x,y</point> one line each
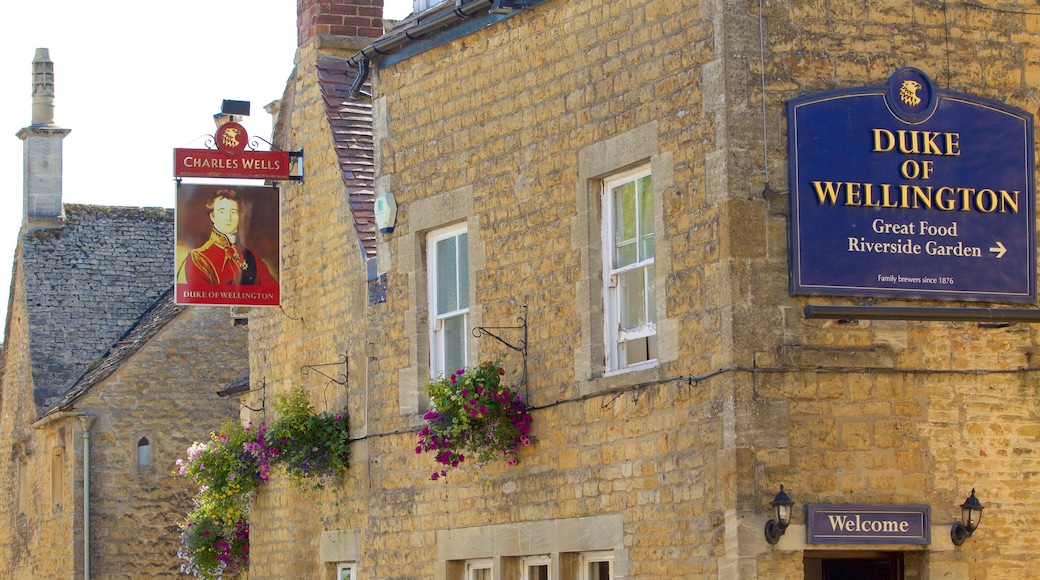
<point>230,138</point>
<point>908,93</point>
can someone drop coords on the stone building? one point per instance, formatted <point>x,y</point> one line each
<point>105,381</point>
<point>524,132</point>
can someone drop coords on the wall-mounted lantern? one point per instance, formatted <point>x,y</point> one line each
<point>971,515</point>
<point>775,528</point>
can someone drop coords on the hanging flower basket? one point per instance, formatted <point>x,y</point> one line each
<point>311,448</point>
<point>215,534</point>
<point>474,417</point>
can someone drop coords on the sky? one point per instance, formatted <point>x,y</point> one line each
<point>134,80</point>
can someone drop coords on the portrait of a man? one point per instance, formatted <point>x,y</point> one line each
<point>225,253</point>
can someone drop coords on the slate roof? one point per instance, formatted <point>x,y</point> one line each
<point>351,122</point>
<point>150,323</point>
<point>87,283</point>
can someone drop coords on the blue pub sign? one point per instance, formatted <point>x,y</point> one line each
<point>911,191</point>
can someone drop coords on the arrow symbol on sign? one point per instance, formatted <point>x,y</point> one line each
<point>1000,250</point>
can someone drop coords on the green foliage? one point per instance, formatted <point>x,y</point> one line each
<point>213,549</point>
<point>215,535</point>
<point>311,448</point>
<point>225,472</point>
<point>473,413</point>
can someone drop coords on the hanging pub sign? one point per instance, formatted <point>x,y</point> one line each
<point>231,158</point>
<point>227,245</point>
<point>908,190</point>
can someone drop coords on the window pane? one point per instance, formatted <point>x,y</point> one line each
<point>626,231</point>
<point>454,343</point>
<point>632,288</point>
<point>599,571</point>
<point>538,572</point>
<point>626,254</point>
<point>646,219</point>
<point>463,259</point>
<point>483,574</point>
<point>651,302</point>
<point>144,455</point>
<point>447,279</point>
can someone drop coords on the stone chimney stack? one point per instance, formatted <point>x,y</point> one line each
<point>41,152</point>
<point>362,19</point>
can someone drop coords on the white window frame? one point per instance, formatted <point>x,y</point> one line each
<point>438,363</point>
<point>592,558</point>
<point>473,566</point>
<point>527,563</point>
<point>350,568</point>
<point>617,338</point>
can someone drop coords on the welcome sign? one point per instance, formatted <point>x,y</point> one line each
<point>868,524</point>
<point>907,190</point>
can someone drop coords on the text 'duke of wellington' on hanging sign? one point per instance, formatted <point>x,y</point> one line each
<point>907,190</point>
<point>231,158</point>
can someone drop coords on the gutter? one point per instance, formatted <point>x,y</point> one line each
<point>435,21</point>
<point>384,45</point>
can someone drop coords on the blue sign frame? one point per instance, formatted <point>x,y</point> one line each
<point>868,524</point>
<point>907,190</point>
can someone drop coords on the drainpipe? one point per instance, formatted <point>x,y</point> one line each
<point>86,421</point>
<point>355,88</point>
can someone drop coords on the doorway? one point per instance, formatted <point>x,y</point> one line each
<point>853,566</point>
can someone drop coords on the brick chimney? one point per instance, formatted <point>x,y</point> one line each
<point>361,19</point>
<point>41,152</point>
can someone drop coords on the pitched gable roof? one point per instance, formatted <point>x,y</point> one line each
<point>86,283</point>
<point>150,323</point>
<point>351,122</point>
